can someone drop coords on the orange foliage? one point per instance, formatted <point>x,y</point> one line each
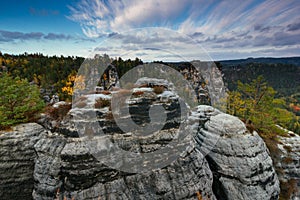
<point>199,196</point>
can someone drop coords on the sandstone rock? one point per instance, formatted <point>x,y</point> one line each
<point>85,177</point>
<point>289,164</point>
<point>72,166</point>
<point>214,89</point>
<point>40,164</point>
<point>134,111</point>
<point>154,82</point>
<point>239,159</point>
<point>17,160</point>
<point>47,166</point>
<point>59,103</point>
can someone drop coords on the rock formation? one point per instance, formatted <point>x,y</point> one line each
<point>17,161</point>
<point>79,175</point>
<point>288,165</point>
<point>240,161</point>
<point>72,169</point>
<point>220,159</point>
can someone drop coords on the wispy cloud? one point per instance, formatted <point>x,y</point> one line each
<point>15,36</point>
<point>54,36</point>
<point>8,36</point>
<point>42,12</point>
<point>217,25</point>
<point>102,17</point>
<point>294,26</point>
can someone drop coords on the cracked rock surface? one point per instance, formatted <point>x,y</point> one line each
<point>239,160</point>
<point>223,161</point>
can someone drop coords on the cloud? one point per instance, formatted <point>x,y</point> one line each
<point>42,12</point>
<point>283,39</point>
<point>14,36</point>
<point>294,27</point>
<point>261,28</point>
<point>99,18</point>
<point>54,36</point>
<point>112,34</point>
<point>152,44</point>
<point>216,25</point>
<point>8,36</point>
<point>196,34</point>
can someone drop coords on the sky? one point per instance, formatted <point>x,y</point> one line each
<point>152,29</point>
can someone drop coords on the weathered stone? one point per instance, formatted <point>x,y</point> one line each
<point>240,161</point>
<point>86,178</point>
<point>17,160</point>
<point>219,157</point>
<point>72,164</point>
<point>154,82</point>
<point>288,164</point>
<point>47,167</point>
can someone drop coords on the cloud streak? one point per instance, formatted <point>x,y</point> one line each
<point>42,12</point>
<point>9,36</point>
<point>217,25</point>
<point>15,36</point>
<point>102,17</point>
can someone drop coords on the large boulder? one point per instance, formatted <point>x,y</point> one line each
<point>239,159</point>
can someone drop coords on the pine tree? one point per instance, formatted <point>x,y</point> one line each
<point>19,101</point>
<point>256,102</point>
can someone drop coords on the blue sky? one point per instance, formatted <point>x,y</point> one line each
<point>224,29</point>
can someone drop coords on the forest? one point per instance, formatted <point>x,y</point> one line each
<point>265,94</point>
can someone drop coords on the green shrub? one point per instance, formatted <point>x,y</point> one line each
<point>19,101</point>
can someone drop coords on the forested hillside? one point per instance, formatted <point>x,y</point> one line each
<point>263,60</point>
<point>56,75</point>
<point>48,72</point>
<point>282,74</point>
<point>52,74</point>
<point>284,78</point>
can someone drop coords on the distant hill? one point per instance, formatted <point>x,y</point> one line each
<point>283,74</point>
<point>265,60</point>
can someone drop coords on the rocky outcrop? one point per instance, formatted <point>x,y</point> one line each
<point>288,165</point>
<point>79,175</point>
<point>47,168</point>
<point>220,159</point>
<point>240,161</point>
<point>68,166</point>
<point>17,161</point>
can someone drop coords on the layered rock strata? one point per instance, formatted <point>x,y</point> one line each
<point>239,160</point>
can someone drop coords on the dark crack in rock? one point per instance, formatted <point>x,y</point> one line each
<point>240,161</point>
<point>17,160</point>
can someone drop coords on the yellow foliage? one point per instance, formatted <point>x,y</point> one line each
<point>73,83</point>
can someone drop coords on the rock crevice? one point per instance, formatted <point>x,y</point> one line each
<point>240,160</point>
<point>224,161</point>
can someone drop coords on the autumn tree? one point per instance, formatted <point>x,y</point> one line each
<point>256,102</point>
<point>19,101</point>
<point>72,83</point>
